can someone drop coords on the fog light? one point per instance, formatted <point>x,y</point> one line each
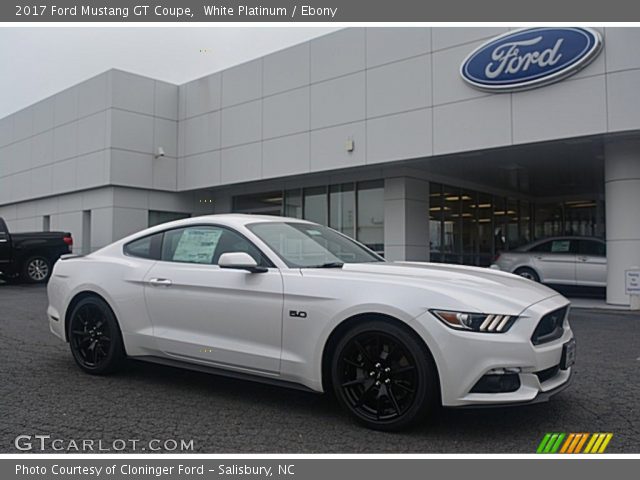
<point>497,383</point>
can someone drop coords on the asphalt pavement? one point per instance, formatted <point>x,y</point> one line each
<point>42,392</point>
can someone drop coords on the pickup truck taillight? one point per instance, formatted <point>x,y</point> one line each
<point>68,239</point>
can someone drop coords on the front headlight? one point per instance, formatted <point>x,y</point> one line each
<point>476,322</point>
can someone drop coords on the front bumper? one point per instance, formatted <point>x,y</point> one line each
<point>541,397</point>
<point>464,357</point>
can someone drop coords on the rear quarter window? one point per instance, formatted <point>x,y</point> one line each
<point>146,247</point>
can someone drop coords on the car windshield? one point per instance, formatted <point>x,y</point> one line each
<point>306,245</point>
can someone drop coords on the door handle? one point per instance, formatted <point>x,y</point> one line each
<point>3,240</point>
<point>583,259</point>
<point>160,282</point>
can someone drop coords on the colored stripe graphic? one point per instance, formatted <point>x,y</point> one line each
<point>593,439</point>
<point>556,446</point>
<point>605,443</point>
<point>543,443</point>
<point>581,443</point>
<point>567,442</point>
<point>572,443</point>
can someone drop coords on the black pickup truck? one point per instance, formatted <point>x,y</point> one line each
<point>30,256</point>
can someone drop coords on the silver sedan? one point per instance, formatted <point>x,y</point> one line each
<point>577,261</point>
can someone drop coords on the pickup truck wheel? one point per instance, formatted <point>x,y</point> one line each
<point>94,337</point>
<point>36,269</point>
<point>383,377</point>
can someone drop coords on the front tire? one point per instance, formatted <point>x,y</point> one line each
<point>36,269</point>
<point>383,376</point>
<point>94,337</point>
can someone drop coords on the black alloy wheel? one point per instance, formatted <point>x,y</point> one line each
<point>94,337</point>
<point>383,376</point>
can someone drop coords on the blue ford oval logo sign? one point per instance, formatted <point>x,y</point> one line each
<point>530,58</point>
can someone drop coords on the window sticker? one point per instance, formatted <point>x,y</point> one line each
<point>197,245</point>
<point>560,246</point>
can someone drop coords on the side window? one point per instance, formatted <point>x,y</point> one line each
<point>561,246</point>
<point>555,246</point>
<point>231,241</point>
<point>191,244</point>
<point>205,245</point>
<point>591,247</point>
<point>146,247</point>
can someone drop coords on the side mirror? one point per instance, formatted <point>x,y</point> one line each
<point>240,261</point>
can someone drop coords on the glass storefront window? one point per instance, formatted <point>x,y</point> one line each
<point>333,205</point>
<point>293,203</point>
<point>435,222</point>
<point>465,226</point>
<point>370,228</point>
<point>472,227</point>
<point>342,208</point>
<point>512,224</point>
<point>451,239</point>
<point>315,204</point>
<point>269,203</point>
<point>580,217</point>
<point>524,216</point>
<point>469,227</point>
<point>485,229</point>
<point>500,229</point>
<point>548,219</point>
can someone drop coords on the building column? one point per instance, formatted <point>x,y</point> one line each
<point>622,204</point>
<point>406,219</point>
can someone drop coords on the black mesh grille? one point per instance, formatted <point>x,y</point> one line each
<point>550,327</point>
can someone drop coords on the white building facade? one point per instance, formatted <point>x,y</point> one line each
<point>372,131</point>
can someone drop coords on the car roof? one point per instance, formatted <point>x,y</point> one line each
<point>567,237</point>
<point>242,218</point>
<point>224,219</point>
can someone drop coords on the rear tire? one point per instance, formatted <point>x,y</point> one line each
<point>383,376</point>
<point>527,273</point>
<point>94,337</point>
<point>36,269</point>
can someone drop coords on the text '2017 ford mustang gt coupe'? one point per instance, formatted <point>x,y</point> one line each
<point>291,302</point>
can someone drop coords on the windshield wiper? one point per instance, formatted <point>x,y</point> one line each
<point>328,265</point>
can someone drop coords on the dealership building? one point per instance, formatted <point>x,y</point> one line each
<point>372,131</point>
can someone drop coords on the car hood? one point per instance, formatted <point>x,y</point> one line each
<point>479,289</point>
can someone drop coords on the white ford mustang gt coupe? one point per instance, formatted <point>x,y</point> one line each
<point>290,302</point>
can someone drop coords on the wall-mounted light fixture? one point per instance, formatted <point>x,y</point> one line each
<point>349,145</point>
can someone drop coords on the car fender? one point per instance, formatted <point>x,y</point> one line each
<point>88,288</point>
<point>346,315</point>
<point>126,303</point>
